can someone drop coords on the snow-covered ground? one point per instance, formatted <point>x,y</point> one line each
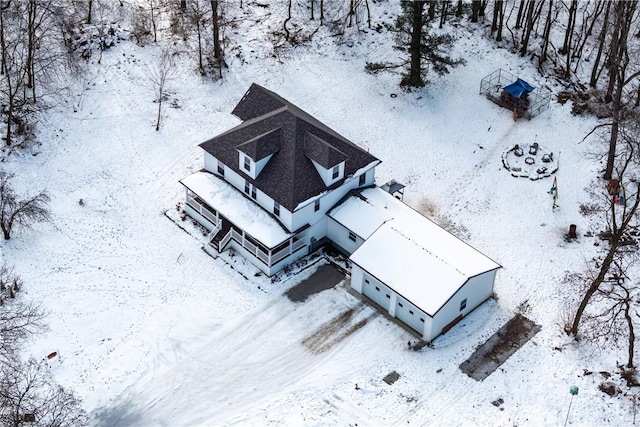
<point>153,331</point>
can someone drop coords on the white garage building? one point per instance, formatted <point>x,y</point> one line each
<point>411,267</point>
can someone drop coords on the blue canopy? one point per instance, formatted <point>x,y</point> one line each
<point>519,88</point>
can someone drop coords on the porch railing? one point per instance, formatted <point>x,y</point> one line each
<point>199,206</point>
<point>267,258</point>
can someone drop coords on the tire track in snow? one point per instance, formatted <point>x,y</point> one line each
<point>212,382</point>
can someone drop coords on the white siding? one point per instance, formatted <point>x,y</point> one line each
<point>339,235</point>
<point>327,174</point>
<point>476,290</point>
<point>410,315</point>
<point>261,164</point>
<point>307,215</point>
<point>210,163</point>
<point>377,291</point>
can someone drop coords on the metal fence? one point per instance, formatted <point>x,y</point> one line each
<point>491,87</point>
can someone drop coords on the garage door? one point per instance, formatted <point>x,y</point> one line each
<point>379,293</point>
<point>410,315</point>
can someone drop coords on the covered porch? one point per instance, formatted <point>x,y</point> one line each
<point>253,232</point>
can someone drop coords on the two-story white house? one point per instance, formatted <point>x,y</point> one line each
<point>281,184</point>
<point>268,183</point>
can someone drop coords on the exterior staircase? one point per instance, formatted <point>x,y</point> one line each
<point>215,242</point>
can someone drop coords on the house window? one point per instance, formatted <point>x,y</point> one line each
<point>352,236</point>
<point>247,187</point>
<point>247,163</point>
<point>362,179</point>
<point>253,191</point>
<point>276,208</point>
<point>316,206</point>
<point>221,169</point>
<point>463,304</point>
<point>377,289</point>
<point>411,312</point>
<point>400,304</point>
<point>388,296</point>
<point>250,189</point>
<point>422,320</point>
<point>367,281</point>
<point>336,172</point>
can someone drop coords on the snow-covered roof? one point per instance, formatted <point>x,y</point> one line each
<point>243,212</point>
<point>360,215</point>
<point>413,255</point>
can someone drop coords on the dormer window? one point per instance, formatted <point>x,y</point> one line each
<point>328,160</point>
<point>335,173</point>
<point>247,164</point>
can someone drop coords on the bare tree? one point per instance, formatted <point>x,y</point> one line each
<point>159,75</point>
<point>197,16</point>
<point>619,60</point>
<point>620,215</point>
<point>23,212</point>
<point>596,70</point>
<point>217,23</point>
<point>28,394</point>
<point>610,320</point>
<point>18,320</point>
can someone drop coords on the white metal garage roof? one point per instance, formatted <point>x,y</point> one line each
<point>411,254</point>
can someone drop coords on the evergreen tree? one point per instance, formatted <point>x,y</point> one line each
<point>425,51</point>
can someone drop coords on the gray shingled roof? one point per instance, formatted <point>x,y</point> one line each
<point>262,146</point>
<point>289,177</point>
<point>322,152</point>
<point>256,102</point>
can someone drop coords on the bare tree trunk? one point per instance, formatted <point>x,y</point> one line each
<point>443,17</point>
<point>619,59</point>
<point>475,9</point>
<point>494,18</point>
<point>415,78</point>
<point>500,6</point>
<point>321,12</point>
<point>520,16</point>
<point>286,21</point>
<point>351,12</point>
<point>545,36</point>
<point>89,11</point>
<point>571,22</point>
<point>632,335</point>
<point>312,8</point>
<point>587,30</point>
<point>366,3</point>
<point>529,26</point>
<point>601,38</point>
<point>217,44</point>
<point>197,13</point>
<point>3,43</point>
<point>569,37</point>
